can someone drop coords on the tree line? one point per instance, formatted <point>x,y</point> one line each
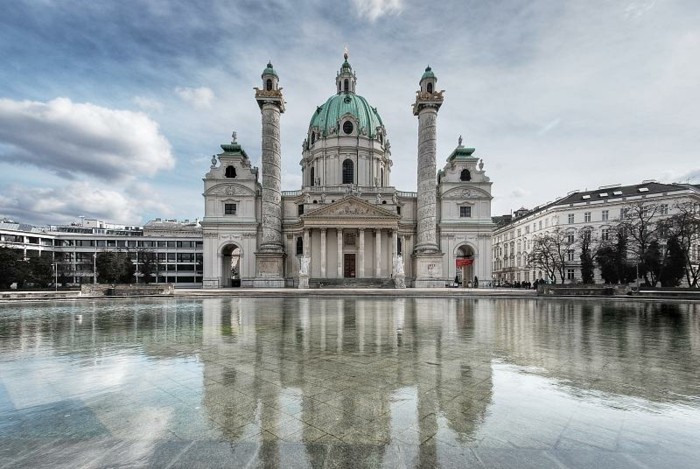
<point>646,243</point>
<point>38,271</point>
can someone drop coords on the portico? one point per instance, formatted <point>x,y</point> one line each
<point>350,238</point>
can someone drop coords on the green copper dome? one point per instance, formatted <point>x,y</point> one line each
<point>269,70</point>
<point>328,114</point>
<point>428,74</point>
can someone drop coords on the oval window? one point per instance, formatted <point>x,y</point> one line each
<point>348,127</point>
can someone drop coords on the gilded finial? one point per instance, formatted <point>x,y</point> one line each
<point>345,52</point>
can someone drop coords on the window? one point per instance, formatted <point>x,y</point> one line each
<point>300,209</point>
<point>229,209</point>
<point>605,234</point>
<point>381,181</point>
<point>300,246</point>
<point>430,87</point>
<point>346,85</point>
<point>570,255</point>
<point>348,127</point>
<point>540,224</point>
<point>399,247</point>
<point>605,215</point>
<point>398,210</point>
<point>313,138</point>
<point>571,218</point>
<point>663,209</point>
<point>623,212</point>
<point>348,172</point>
<point>230,172</point>
<point>312,176</point>
<point>268,84</point>
<point>465,212</point>
<point>570,238</point>
<point>587,217</point>
<point>570,274</point>
<point>465,175</point>
<point>527,229</point>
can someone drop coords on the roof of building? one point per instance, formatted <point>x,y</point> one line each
<point>428,74</point>
<point>269,70</point>
<point>613,191</point>
<point>328,115</point>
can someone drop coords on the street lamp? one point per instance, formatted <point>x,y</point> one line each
<point>94,268</point>
<point>55,275</point>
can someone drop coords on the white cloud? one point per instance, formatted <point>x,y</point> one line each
<point>373,9</point>
<point>148,104</point>
<point>57,205</point>
<point>200,98</point>
<point>72,138</point>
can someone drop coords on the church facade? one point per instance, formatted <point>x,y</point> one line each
<point>347,224</point>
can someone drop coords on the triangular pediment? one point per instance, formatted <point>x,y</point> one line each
<point>351,207</point>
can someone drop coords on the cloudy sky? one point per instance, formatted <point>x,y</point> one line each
<point>112,109</point>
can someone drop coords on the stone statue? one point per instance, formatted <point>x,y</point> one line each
<point>379,198</point>
<point>233,136</point>
<point>481,165</point>
<point>398,265</point>
<point>305,262</point>
<point>459,141</point>
<point>323,197</point>
<point>213,161</point>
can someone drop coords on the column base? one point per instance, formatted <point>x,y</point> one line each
<point>269,268</point>
<point>210,283</point>
<point>428,269</point>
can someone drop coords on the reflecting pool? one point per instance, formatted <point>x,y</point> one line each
<point>338,382</point>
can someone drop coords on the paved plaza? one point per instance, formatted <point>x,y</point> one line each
<point>349,382</point>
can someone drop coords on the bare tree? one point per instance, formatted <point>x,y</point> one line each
<point>549,252</point>
<point>684,225</point>
<point>640,226</point>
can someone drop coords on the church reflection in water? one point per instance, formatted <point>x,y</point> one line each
<point>362,372</point>
<point>378,382</point>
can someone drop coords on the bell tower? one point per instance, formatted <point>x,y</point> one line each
<point>269,258</point>
<point>427,255</point>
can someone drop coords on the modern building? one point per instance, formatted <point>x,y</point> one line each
<point>347,224</point>
<point>74,248</point>
<point>598,211</point>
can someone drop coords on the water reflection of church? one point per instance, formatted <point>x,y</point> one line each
<point>348,220</point>
<point>365,373</point>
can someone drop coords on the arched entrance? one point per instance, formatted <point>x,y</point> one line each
<point>464,259</point>
<point>231,266</point>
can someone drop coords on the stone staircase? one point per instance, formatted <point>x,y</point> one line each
<point>351,283</point>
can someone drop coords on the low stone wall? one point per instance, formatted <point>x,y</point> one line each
<point>127,290</point>
<point>583,290</point>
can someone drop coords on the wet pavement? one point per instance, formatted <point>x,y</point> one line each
<point>342,382</point>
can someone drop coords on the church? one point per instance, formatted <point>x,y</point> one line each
<point>347,225</point>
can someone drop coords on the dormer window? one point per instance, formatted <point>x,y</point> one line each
<point>230,172</point>
<point>465,175</point>
<point>268,84</point>
<point>348,127</point>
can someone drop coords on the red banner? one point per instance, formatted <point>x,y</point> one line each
<point>462,262</point>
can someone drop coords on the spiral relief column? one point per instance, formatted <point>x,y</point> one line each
<point>427,255</point>
<point>270,257</point>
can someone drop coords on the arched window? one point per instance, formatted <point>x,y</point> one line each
<point>381,181</point>
<point>268,84</point>
<point>399,247</point>
<point>230,172</point>
<point>430,87</point>
<point>465,175</point>
<point>346,85</point>
<point>348,172</point>
<point>312,176</point>
<point>313,138</point>
<point>300,246</point>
